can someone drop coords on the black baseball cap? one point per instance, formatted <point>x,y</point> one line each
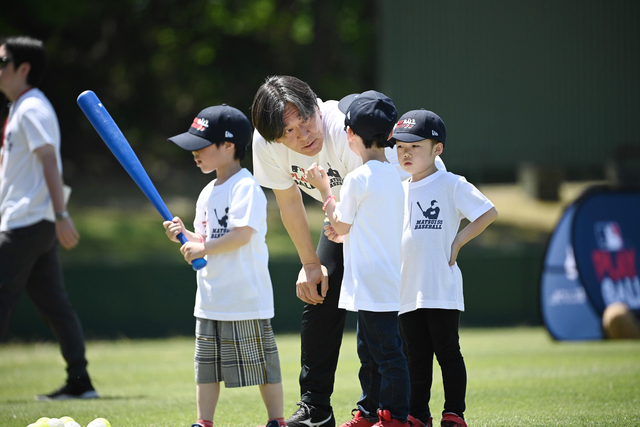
<point>416,125</point>
<point>215,125</point>
<point>370,114</point>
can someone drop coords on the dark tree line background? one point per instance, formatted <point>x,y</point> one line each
<point>156,63</point>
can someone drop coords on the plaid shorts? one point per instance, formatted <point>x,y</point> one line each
<point>240,353</point>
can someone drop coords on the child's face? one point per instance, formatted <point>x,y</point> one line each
<point>210,158</point>
<point>418,158</point>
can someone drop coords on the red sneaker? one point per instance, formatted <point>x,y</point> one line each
<point>387,421</point>
<point>414,422</point>
<point>357,421</point>
<point>449,419</point>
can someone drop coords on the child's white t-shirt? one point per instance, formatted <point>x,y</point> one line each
<point>234,285</point>
<point>372,200</point>
<point>277,167</point>
<point>434,207</point>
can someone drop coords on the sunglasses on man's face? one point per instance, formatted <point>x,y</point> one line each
<point>4,61</point>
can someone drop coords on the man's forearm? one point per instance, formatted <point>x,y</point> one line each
<point>52,177</point>
<point>294,218</point>
<point>297,226</point>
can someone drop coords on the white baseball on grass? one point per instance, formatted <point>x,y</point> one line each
<point>42,422</point>
<point>72,423</point>
<point>66,419</point>
<point>99,422</point>
<point>54,422</point>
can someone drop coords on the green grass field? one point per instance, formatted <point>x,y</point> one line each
<point>516,377</point>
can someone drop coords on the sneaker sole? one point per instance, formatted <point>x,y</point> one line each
<point>91,394</point>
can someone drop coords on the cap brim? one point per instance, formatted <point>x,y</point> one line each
<point>407,137</point>
<point>190,142</point>
<point>344,103</point>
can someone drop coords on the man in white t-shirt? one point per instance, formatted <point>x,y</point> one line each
<point>296,129</point>
<point>33,214</point>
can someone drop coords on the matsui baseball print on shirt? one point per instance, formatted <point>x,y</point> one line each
<point>434,208</point>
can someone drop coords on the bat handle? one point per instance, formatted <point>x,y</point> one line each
<point>197,264</point>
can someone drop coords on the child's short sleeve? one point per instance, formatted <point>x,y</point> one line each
<point>248,205</point>
<point>470,202</point>
<point>200,220</point>
<point>350,195</point>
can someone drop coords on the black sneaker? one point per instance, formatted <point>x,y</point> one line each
<point>71,391</point>
<point>310,416</point>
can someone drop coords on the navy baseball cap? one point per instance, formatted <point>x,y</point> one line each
<point>370,114</point>
<point>417,125</point>
<point>214,125</point>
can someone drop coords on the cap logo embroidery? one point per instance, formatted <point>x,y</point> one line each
<point>228,134</point>
<point>434,133</point>
<point>406,123</point>
<point>200,124</point>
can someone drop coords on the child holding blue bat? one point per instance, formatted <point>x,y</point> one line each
<point>234,300</point>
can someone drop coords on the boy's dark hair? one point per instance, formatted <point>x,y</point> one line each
<point>26,49</point>
<point>379,143</point>
<point>240,150</point>
<point>267,111</point>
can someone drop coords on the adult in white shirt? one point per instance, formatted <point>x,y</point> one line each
<point>295,129</point>
<point>30,230</point>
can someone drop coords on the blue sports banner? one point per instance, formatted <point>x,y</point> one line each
<point>591,262</point>
<point>566,311</point>
<point>606,238</point>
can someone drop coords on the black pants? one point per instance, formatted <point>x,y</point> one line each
<point>427,332</point>
<point>29,261</point>
<point>321,334</point>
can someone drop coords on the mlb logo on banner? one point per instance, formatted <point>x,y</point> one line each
<point>591,263</point>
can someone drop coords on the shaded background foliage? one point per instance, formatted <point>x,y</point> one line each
<point>156,64</point>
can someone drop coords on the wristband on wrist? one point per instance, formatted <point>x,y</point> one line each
<point>326,202</point>
<point>60,215</point>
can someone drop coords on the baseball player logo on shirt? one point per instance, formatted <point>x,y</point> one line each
<point>219,232</point>
<point>431,214</point>
<point>334,176</point>
<point>297,173</point>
